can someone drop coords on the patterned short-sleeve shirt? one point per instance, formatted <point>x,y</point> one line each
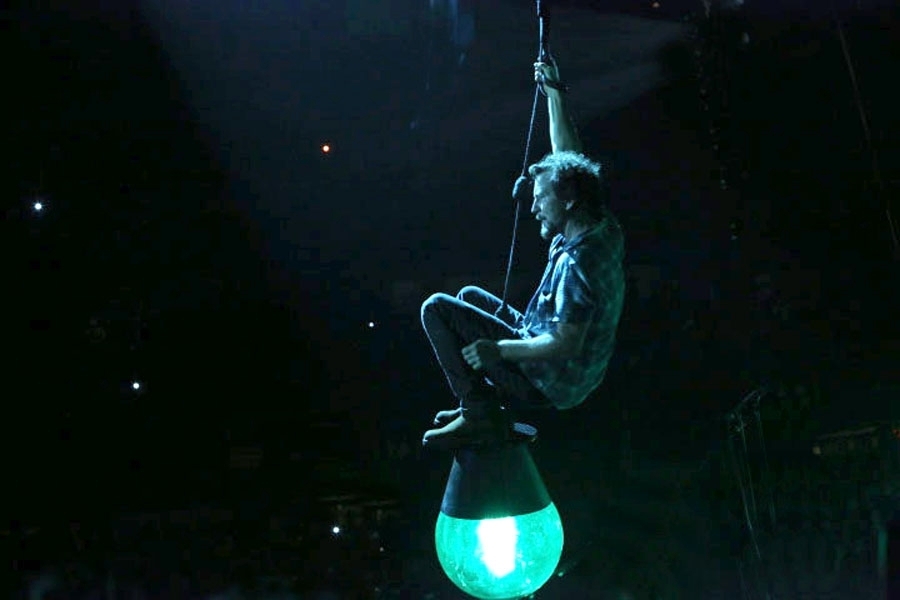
<point>583,283</point>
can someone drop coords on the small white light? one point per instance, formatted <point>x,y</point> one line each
<point>136,385</point>
<point>38,206</point>
<point>371,324</point>
<point>335,530</point>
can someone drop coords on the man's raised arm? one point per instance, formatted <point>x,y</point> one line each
<point>563,135</point>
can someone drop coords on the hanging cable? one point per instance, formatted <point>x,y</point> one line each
<point>738,472</point>
<point>742,429</point>
<point>749,521</point>
<point>766,479</point>
<point>543,56</point>
<point>876,169</point>
<point>743,473</point>
<point>745,594</point>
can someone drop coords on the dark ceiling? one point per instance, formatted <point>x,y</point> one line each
<point>192,216</point>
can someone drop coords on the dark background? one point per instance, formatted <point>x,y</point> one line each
<point>196,239</point>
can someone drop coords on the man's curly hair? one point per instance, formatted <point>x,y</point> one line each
<point>575,177</point>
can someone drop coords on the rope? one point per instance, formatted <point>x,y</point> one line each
<point>543,54</point>
<point>518,198</point>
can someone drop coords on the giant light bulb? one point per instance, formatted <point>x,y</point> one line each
<point>498,535</point>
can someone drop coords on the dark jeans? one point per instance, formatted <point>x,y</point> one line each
<point>452,324</point>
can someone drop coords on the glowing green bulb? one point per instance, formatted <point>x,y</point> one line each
<point>503,558</point>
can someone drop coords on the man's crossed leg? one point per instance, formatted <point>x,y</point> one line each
<point>461,329</point>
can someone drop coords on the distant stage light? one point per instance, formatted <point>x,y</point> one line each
<point>38,206</point>
<point>371,324</point>
<point>326,148</point>
<point>136,385</point>
<point>335,530</point>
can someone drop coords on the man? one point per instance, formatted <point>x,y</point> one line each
<point>557,352</point>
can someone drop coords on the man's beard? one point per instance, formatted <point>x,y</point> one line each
<point>546,233</point>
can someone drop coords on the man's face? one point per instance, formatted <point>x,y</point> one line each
<point>548,208</point>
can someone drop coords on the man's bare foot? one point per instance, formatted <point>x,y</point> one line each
<point>466,432</point>
<point>446,416</point>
